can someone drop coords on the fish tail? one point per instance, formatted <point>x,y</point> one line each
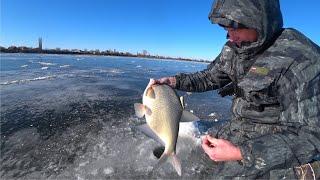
<point>173,159</point>
<point>162,160</point>
<point>176,163</point>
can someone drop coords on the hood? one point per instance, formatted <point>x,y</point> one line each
<point>263,15</point>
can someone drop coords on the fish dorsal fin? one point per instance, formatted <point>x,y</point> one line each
<point>145,129</point>
<point>141,110</point>
<point>182,101</point>
<point>150,93</point>
<point>188,117</point>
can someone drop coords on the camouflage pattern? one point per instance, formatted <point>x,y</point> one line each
<point>275,83</point>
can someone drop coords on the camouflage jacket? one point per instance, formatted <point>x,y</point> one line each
<point>275,83</point>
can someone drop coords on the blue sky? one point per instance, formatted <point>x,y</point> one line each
<point>178,28</point>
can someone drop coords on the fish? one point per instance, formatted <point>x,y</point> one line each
<point>163,111</point>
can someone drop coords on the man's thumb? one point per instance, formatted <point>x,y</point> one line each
<point>152,81</point>
<point>212,140</point>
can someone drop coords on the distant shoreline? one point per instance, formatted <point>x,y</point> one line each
<point>26,50</point>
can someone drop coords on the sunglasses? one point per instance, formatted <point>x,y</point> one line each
<point>233,25</point>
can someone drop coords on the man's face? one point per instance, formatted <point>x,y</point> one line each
<point>240,35</point>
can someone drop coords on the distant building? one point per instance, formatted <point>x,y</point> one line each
<point>145,53</point>
<point>40,44</point>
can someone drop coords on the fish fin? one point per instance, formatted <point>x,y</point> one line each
<point>188,117</point>
<point>139,109</point>
<point>150,93</point>
<point>145,129</point>
<point>182,101</point>
<point>162,160</point>
<point>176,163</point>
<point>147,110</point>
<point>173,159</point>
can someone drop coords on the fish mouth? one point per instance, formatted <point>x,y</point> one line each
<point>158,151</point>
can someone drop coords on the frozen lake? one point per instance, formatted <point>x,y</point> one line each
<point>72,117</point>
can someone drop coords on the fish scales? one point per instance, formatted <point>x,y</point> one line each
<point>163,111</point>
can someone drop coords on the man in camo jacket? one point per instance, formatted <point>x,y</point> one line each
<point>273,74</point>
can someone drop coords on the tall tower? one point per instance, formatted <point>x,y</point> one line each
<point>40,44</point>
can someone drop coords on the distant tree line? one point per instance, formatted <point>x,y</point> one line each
<point>114,52</point>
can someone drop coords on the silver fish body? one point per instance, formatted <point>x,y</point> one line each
<point>166,111</point>
<point>163,111</point>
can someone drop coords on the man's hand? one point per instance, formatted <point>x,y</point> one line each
<point>170,81</point>
<point>220,149</point>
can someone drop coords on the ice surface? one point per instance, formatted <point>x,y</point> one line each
<point>77,122</point>
<point>46,63</point>
<point>65,66</point>
<point>27,80</point>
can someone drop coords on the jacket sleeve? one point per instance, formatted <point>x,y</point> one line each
<point>209,79</point>
<point>299,142</point>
